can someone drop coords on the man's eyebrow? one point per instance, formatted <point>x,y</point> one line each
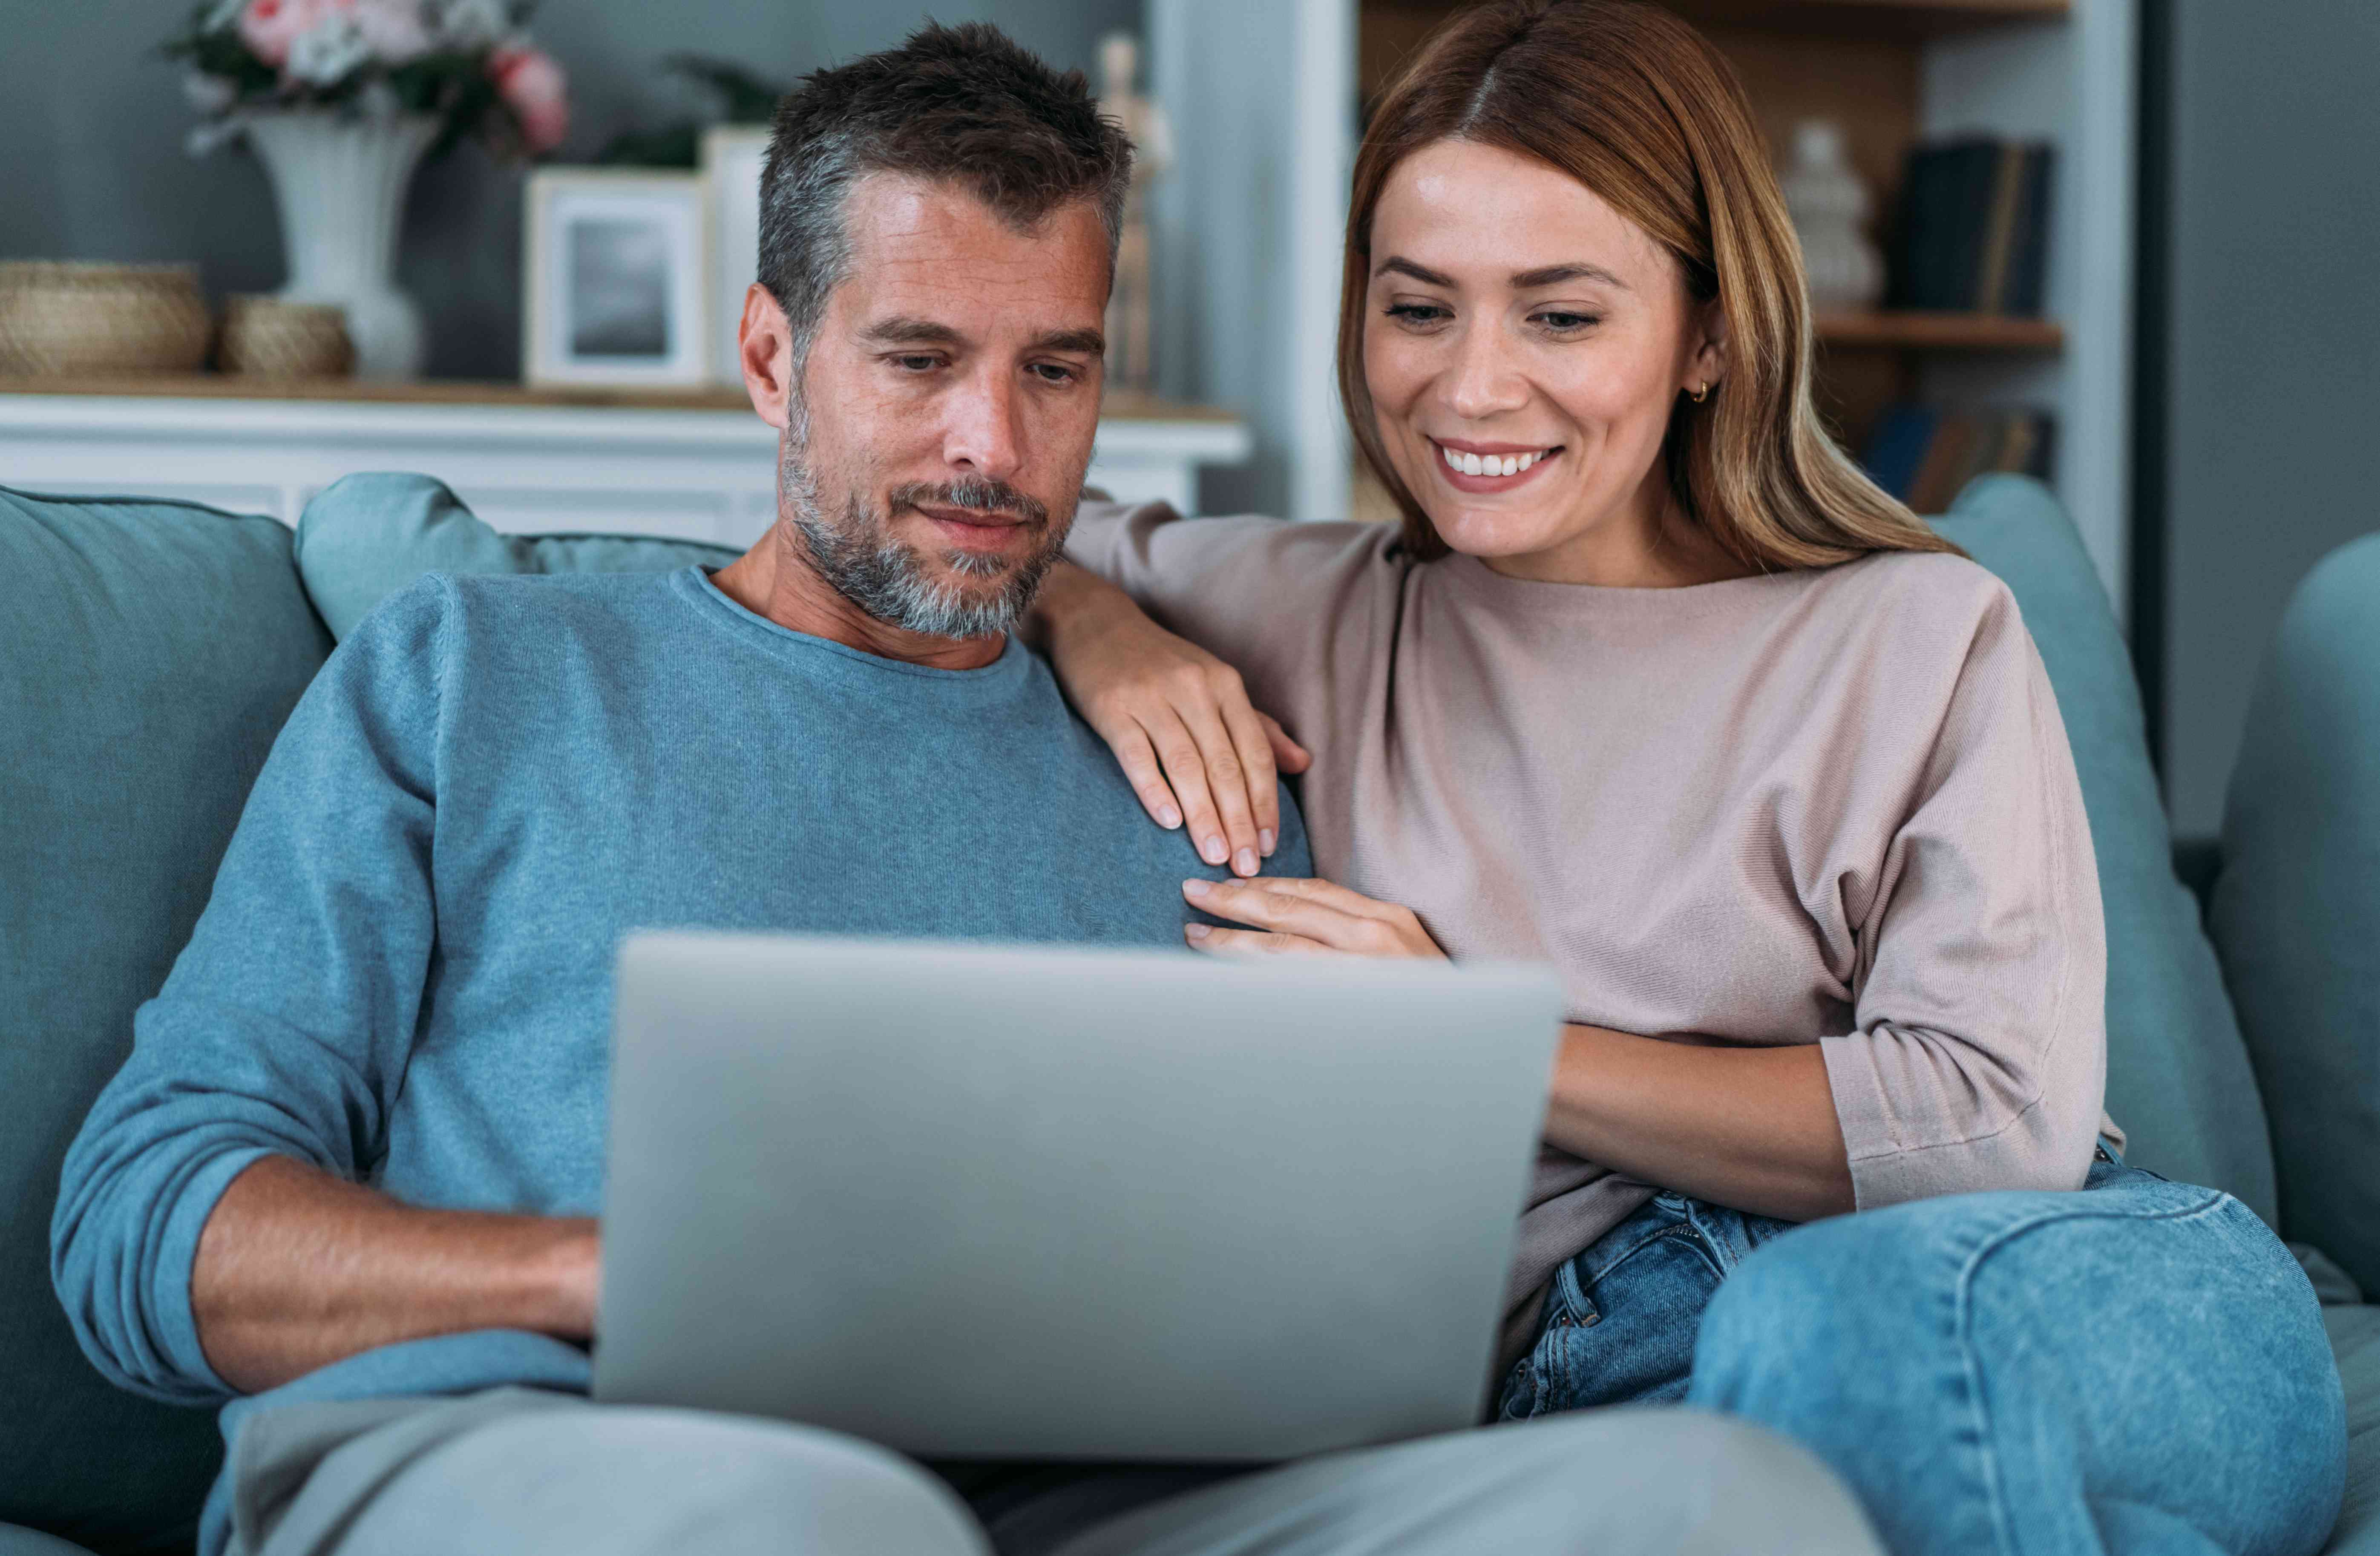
<point>903,331</point>
<point>1554,275</point>
<point>1398,265</point>
<point>1090,343</point>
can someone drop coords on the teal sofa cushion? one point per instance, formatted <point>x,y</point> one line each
<point>365,536</point>
<point>2296,910</point>
<point>149,652</point>
<point>2355,1341</point>
<point>2179,1080</point>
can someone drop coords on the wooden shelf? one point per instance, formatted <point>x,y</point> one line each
<point>1896,331</point>
<point>1894,19</point>
<point>1118,405</point>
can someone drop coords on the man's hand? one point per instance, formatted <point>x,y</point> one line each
<point>296,1268</point>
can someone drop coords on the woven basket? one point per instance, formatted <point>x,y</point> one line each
<point>64,318</point>
<point>266,337</point>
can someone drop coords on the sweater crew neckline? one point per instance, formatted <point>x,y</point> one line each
<point>812,652</point>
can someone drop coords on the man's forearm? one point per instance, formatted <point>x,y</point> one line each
<point>296,1268</point>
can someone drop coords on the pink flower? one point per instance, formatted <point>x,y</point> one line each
<point>534,88</point>
<point>268,26</point>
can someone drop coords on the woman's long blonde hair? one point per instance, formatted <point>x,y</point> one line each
<point>1640,108</point>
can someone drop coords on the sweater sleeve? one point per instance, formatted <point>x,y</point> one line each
<point>1979,1057</point>
<point>286,1022</point>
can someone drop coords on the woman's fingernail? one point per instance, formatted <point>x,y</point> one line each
<point>1169,817</point>
<point>1265,841</point>
<point>1245,862</point>
<point>1195,932</point>
<point>1213,851</point>
<point>1197,888</point>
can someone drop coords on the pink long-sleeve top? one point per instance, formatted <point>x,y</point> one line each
<point>1830,806</point>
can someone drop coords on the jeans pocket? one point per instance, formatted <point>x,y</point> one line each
<point>1625,1334</point>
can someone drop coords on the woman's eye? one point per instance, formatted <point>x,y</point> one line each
<point>1418,313</point>
<point>1562,322</point>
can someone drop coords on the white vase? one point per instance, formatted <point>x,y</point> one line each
<point>1829,207</point>
<point>340,180</point>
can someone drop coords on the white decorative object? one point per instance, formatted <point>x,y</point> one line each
<point>340,180</point>
<point>614,268</point>
<point>523,466</point>
<point>1829,207</point>
<point>1131,363</point>
<point>732,157</point>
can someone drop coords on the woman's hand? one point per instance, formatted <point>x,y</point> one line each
<point>1178,719</point>
<point>1296,917</point>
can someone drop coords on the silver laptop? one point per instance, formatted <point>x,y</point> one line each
<point>976,1201</point>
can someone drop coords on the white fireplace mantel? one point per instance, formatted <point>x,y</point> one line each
<point>698,467</point>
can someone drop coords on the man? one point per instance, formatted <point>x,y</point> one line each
<point>350,1169</point>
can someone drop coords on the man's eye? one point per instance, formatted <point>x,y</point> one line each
<point>917,364</point>
<point>1054,373</point>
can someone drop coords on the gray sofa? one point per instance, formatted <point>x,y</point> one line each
<point>148,652</point>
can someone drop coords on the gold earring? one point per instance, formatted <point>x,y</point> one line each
<point>1701,393</point>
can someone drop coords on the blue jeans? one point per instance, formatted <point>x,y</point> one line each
<point>2138,1367</point>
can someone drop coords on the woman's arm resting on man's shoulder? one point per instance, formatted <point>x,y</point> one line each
<point>297,1269</point>
<point>1179,719</point>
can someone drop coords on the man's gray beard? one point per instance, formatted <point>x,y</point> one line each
<point>888,580</point>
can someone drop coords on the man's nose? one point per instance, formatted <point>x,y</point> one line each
<point>982,436</point>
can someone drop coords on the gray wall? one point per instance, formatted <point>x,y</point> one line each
<point>91,124</point>
<point>2274,428</point>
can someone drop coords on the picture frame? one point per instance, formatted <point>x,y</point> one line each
<point>732,159</point>
<point>616,275</point>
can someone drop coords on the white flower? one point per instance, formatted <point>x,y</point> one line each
<point>324,54</point>
<point>209,94</point>
<point>394,29</point>
<point>474,24</point>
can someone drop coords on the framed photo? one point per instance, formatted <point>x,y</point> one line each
<point>615,265</point>
<point>731,155</point>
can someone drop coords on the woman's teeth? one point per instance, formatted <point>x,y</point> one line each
<point>1490,464</point>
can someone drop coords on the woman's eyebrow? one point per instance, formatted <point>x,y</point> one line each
<point>1395,265</point>
<point>1554,275</point>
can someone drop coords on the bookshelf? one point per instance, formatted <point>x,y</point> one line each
<point>1271,93</point>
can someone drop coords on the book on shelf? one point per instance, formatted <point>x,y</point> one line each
<point>1925,456</point>
<point>1975,227</point>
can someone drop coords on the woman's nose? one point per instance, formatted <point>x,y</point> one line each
<point>1483,379</point>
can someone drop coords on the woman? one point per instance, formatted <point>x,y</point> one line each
<point>1654,685</point>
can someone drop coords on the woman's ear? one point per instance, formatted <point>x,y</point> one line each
<point>1707,366</point>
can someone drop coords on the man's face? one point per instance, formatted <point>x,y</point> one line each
<point>948,406</point>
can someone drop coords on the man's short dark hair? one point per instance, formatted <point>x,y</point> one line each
<point>959,103</point>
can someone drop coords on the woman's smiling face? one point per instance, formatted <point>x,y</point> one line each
<point>1516,323</point>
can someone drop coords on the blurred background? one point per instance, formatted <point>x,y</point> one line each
<point>2121,244</point>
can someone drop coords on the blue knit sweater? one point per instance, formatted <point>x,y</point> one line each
<point>404,976</point>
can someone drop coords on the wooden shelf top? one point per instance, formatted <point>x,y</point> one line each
<point>1901,19</point>
<point>1939,332</point>
<point>1870,18</point>
<point>1119,406</point>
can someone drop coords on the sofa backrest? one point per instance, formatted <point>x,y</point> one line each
<point>2179,1080</point>
<point>365,536</point>
<point>2296,909</point>
<point>149,652</point>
